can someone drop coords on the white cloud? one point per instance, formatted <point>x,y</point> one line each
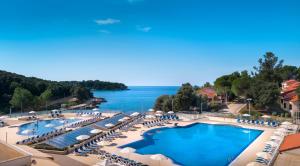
<point>143,28</point>
<point>104,31</point>
<point>107,21</point>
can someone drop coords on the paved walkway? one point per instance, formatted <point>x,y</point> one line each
<point>235,108</point>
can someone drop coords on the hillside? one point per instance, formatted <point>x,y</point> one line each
<point>23,92</point>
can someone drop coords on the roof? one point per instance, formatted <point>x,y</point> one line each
<point>209,92</point>
<point>288,90</point>
<point>290,142</point>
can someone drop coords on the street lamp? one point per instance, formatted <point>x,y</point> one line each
<point>249,101</point>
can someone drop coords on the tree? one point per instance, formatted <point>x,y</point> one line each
<point>288,72</point>
<point>81,93</point>
<point>160,102</point>
<point>264,94</point>
<point>45,97</point>
<point>241,85</point>
<point>22,98</point>
<point>298,92</point>
<point>185,98</point>
<point>269,68</point>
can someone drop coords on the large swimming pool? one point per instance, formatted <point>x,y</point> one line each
<point>197,144</point>
<point>43,126</point>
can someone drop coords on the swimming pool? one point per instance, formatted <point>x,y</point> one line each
<point>197,144</point>
<point>43,126</point>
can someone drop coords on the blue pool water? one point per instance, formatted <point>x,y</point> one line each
<point>138,98</point>
<point>197,144</point>
<point>40,126</point>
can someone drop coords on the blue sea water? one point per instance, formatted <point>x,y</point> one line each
<point>197,144</point>
<point>137,99</point>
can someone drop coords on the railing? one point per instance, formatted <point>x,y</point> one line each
<point>15,115</point>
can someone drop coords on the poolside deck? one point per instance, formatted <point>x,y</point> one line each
<point>248,155</point>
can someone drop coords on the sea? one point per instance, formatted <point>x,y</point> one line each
<point>136,99</point>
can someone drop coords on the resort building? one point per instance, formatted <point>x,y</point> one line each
<point>289,99</point>
<point>210,93</point>
<point>12,156</point>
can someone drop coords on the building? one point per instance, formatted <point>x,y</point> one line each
<point>289,99</point>
<point>210,93</point>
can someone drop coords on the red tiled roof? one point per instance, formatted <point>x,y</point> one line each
<point>209,92</point>
<point>290,142</point>
<point>288,93</point>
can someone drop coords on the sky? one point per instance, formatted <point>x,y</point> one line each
<point>145,42</point>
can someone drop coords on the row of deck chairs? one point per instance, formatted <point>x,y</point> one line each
<point>169,117</point>
<point>113,159</point>
<point>157,122</point>
<point>88,113</point>
<point>82,122</point>
<point>259,122</point>
<point>268,149</point>
<point>42,137</point>
<point>126,126</point>
<point>91,146</point>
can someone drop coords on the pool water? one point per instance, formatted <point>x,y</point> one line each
<point>43,126</point>
<point>197,144</point>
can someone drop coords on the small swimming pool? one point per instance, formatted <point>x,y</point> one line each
<point>43,126</point>
<point>197,144</point>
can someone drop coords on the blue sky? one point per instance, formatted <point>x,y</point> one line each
<point>145,42</point>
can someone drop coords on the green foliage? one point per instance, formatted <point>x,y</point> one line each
<point>81,93</point>
<point>184,100</point>
<point>269,68</point>
<point>240,86</point>
<point>264,93</point>
<point>22,98</point>
<point>298,91</point>
<point>44,90</point>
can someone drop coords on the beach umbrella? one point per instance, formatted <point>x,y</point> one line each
<point>151,110</point>
<point>282,130</point>
<point>82,137</point>
<point>95,109</point>
<point>103,143</point>
<point>158,157</point>
<point>126,118</point>
<point>286,123</point>
<point>264,155</point>
<point>273,144</point>
<point>109,125</point>
<point>171,112</point>
<point>159,112</point>
<point>96,112</point>
<point>95,131</point>
<point>274,137</point>
<point>279,133</point>
<point>149,117</point>
<point>32,112</point>
<point>246,115</point>
<point>27,131</point>
<point>121,120</point>
<point>135,114</point>
<point>254,164</point>
<point>49,125</point>
<point>266,116</point>
<point>127,150</point>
